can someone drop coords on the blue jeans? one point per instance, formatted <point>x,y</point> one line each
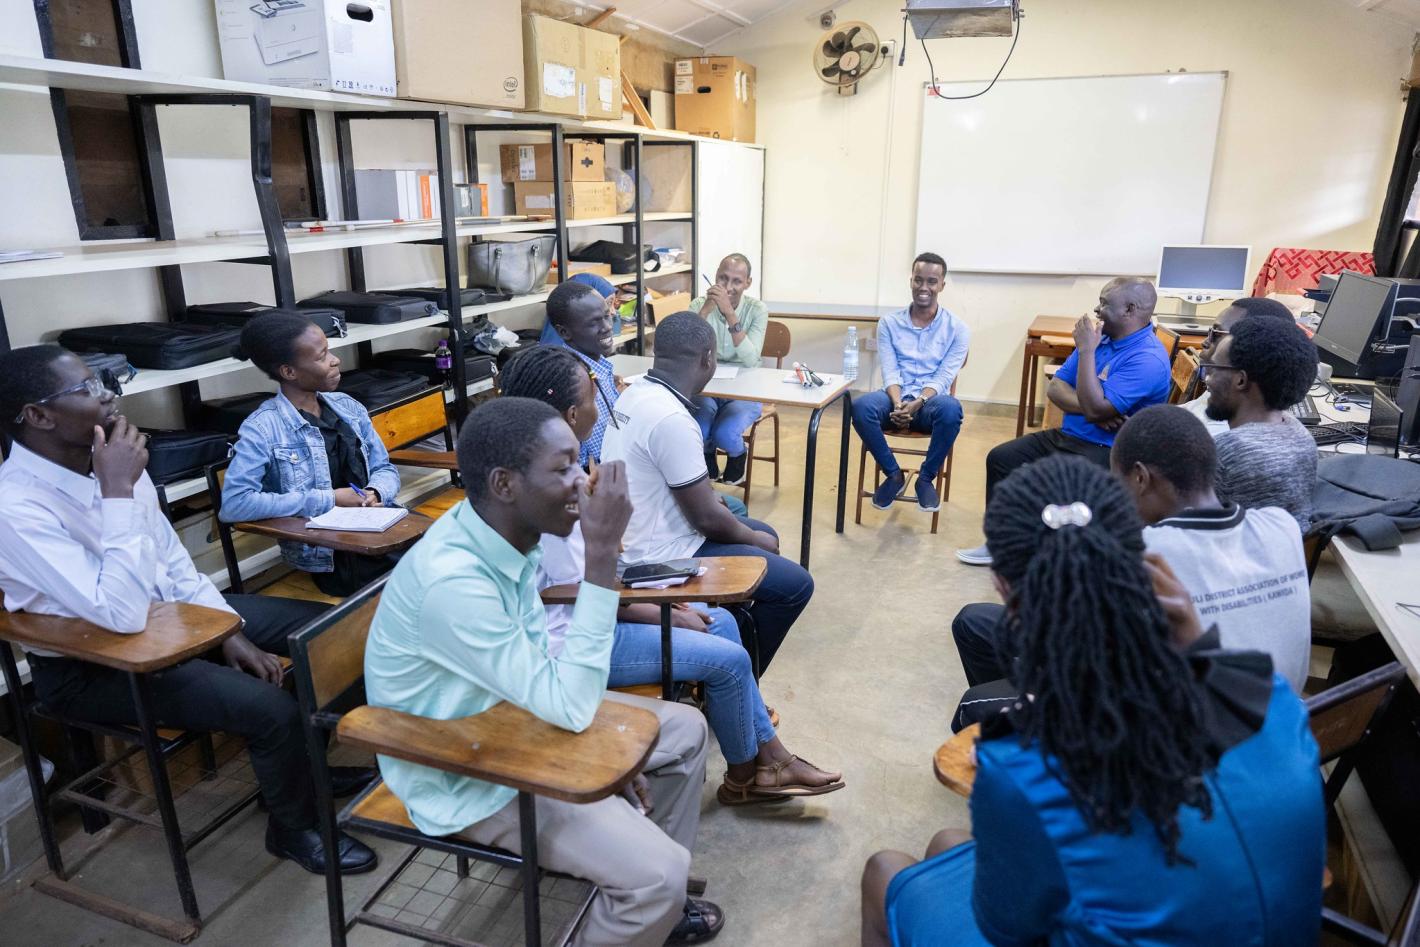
<point>940,416</point>
<point>723,423</point>
<point>780,598</point>
<point>716,657</point>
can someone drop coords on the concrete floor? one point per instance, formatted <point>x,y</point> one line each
<point>866,683</point>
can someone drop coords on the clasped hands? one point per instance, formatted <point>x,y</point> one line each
<point>904,411</point>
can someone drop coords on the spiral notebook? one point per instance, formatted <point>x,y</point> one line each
<point>358,519</point>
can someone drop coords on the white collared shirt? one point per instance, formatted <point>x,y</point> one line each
<point>66,550</point>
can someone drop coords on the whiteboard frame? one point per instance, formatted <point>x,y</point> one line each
<point>930,85</point>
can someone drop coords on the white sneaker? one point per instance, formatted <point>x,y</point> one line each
<point>980,556</point>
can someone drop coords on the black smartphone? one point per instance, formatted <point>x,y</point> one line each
<point>660,571</point>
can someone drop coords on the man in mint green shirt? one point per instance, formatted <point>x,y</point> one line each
<point>461,627</point>
<point>739,322</point>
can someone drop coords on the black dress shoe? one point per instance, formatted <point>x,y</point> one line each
<point>303,846</point>
<point>348,780</point>
<point>712,465</point>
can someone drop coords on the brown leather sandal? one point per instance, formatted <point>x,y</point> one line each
<point>732,793</point>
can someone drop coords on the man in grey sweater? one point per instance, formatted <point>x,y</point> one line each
<point>1266,458</point>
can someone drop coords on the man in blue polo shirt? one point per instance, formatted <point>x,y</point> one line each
<point>1118,368</point>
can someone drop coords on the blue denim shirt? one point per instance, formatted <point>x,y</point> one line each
<point>279,468</point>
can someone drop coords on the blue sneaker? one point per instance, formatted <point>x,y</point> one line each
<point>889,490</point>
<point>928,500</point>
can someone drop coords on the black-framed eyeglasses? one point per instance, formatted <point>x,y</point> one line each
<point>1215,332</point>
<point>1205,367</point>
<point>94,386</point>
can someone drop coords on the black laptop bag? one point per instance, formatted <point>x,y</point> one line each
<point>161,345</point>
<point>376,387</point>
<point>227,414</point>
<point>467,297</point>
<point>373,308</point>
<point>331,321</point>
<point>477,366</point>
<point>176,455</point>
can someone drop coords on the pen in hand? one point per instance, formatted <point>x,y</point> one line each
<point>358,492</point>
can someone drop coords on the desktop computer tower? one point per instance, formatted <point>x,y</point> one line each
<point>1407,394</point>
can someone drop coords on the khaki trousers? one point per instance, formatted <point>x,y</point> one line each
<point>638,864</point>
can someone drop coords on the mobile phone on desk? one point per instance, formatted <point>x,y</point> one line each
<point>652,573</point>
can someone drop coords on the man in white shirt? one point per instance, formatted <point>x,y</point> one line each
<point>1244,568</point>
<point>676,513</point>
<point>81,536</point>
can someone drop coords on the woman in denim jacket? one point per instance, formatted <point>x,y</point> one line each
<point>306,450</point>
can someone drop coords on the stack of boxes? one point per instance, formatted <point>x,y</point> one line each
<point>585,191</point>
<point>715,97</point>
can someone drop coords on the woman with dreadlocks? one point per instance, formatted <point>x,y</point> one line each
<point>1147,789</point>
<point>705,643</point>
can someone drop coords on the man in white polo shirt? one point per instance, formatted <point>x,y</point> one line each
<point>676,513</point>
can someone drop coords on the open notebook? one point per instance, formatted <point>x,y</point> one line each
<point>358,519</point>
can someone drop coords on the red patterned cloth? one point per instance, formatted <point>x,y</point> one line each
<point>1289,270</point>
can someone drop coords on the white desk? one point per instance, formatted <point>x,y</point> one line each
<point>1382,580</point>
<point>768,386</point>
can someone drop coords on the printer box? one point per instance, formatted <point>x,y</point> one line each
<point>715,97</point>
<point>459,52</point>
<point>582,160</point>
<point>309,44</point>
<point>571,70</point>
<point>583,199</point>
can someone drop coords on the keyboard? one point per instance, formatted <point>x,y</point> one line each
<point>1305,411</point>
<point>1339,433</point>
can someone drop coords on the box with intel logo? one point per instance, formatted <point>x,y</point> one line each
<point>309,44</point>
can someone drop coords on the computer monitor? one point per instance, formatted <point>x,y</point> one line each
<point>1358,311</point>
<point>1383,429</point>
<point>1203,273</point>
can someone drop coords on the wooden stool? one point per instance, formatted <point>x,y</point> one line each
<point>955,761</point>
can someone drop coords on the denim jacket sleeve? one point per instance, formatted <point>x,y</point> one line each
<point>251,471</point>
<point>384,477</point>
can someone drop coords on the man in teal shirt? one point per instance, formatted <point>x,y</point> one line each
<point>461,627</point>
<point>739,322</point>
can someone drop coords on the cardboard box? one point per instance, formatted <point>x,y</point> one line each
<point>470,200</point>
<point>459,52</point>
<point>581,161</point>
<point>309,44</point>
<point>583,199</point>
<point>576,266</point>
<point>571,70</point>
<point>715,97</point>
<point>662,306</point>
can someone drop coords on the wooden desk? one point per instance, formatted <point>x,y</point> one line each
<point>768,386</point>
<point>509,746</point>
<point>1382,581</point>
<point>726,579</point>
<point>1053,337</point>
<point>293,529</point>
<point>175,633</point>
<point>955,761</point>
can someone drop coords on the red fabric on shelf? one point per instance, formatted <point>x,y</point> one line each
<point>1291,270</point>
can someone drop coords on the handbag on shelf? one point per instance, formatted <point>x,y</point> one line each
<point>516,267</point>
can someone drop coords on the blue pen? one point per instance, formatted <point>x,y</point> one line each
<point>358,492</point>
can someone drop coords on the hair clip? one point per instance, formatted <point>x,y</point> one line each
<point>549,391</point>
<point>1076,514</point>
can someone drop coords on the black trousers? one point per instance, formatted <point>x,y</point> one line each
<point>976,629</point>
<point>203,694</point>
<point>1005,458</point>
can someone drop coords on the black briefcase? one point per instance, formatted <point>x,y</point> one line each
<point>477,366</point>
<point>439,296</point>
<point>373,308</point>
<point>176,455</point>
<point>331,321</point>
<point>621,256</point>
<point>162,345</point>
<point>376,387</point>
<point>227,414</point>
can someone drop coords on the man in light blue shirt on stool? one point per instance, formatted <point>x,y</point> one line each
<point>921,349</point>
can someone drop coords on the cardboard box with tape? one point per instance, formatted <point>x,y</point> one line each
<point>582,199</point>
<point>715,97</point>
<point>571,70</point>
<point>460,52</point>
<point>581,161</point>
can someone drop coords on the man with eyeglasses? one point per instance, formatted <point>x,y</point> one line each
<point>1229,317</point>
<point>81,536</point>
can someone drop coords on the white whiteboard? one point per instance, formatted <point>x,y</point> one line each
<point>1087,175</point>
<point>731,218</point>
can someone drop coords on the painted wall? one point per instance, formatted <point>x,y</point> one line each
<point>1309,128</point>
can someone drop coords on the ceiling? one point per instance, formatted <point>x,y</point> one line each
<point>1407,11</point>
<point>701,23</point>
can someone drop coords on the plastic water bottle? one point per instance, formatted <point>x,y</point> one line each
<point>444,362</point>
<point>850,354</point>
